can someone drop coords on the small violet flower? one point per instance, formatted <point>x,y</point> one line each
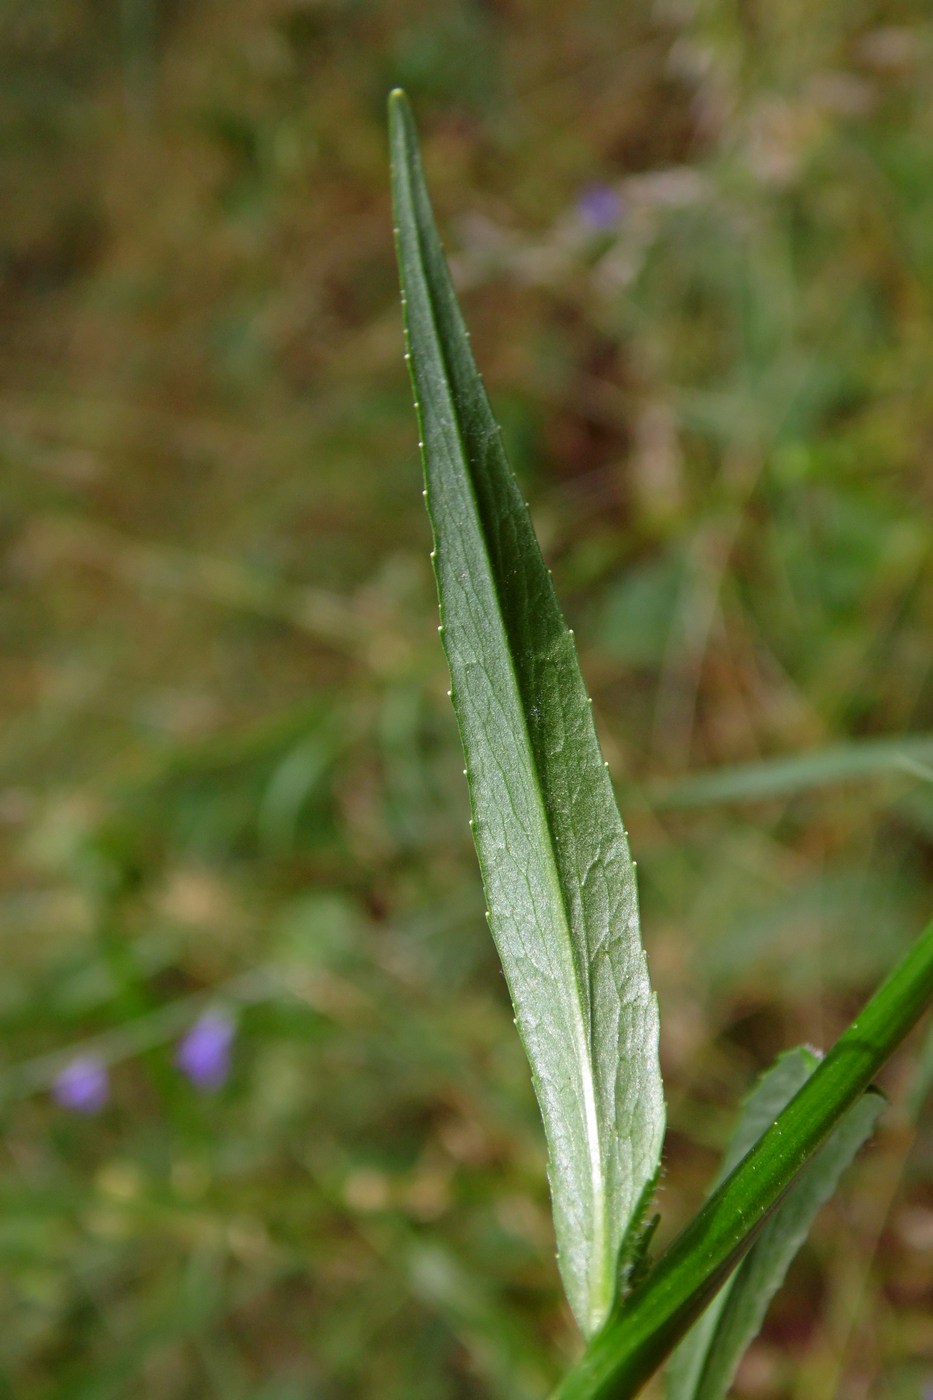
<point>82,1086</point>
<point>204,1053</point>
<point>599,206</point>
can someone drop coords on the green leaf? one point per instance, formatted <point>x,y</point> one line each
<point>641,1334</point>
<point>559,880</point>
<point>703,1366</point>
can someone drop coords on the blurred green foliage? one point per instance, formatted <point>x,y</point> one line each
<point>229,769</point>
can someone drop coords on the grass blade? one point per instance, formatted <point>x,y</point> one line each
<point>909,755</point>
<point>703,1366</point>
<point>559,879</point>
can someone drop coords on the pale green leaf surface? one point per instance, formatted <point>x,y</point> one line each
<point>704,1365</point>
<point>559,880</point>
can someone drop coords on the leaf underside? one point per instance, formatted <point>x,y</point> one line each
<point>705,1363</point>
<point>559,879</point>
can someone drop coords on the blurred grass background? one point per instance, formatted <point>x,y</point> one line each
<point>695,243</point>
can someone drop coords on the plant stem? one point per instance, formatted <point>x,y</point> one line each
<point>640,1335</point>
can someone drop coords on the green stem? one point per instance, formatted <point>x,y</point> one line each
<point>643,1332</point>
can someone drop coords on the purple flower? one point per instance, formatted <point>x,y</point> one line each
<point>82,1086</point>
<point>599,206</point>
<point>204,1053</point>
